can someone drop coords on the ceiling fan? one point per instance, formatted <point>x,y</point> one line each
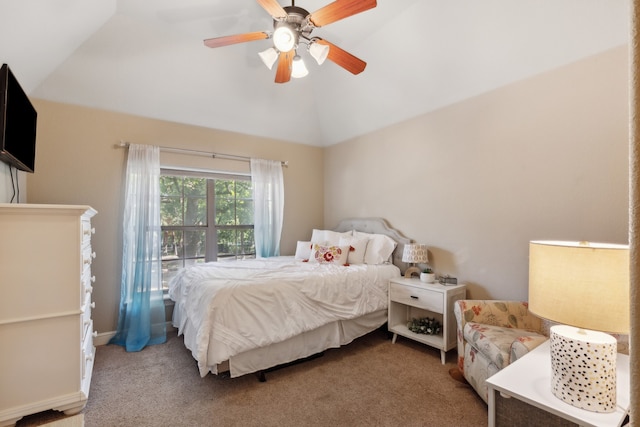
<point>293,25</point>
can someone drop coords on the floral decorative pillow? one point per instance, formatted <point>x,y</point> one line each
<point>322,254</point>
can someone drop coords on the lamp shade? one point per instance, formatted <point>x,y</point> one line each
<point>580,284</point>
<point>269,57</point>
<point>319,52</point>
<point>298,69</point>
<point>415,253</point>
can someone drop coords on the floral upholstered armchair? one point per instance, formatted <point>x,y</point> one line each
<point>491,334</point>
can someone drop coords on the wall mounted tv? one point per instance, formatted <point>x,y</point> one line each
<point>17,123</point>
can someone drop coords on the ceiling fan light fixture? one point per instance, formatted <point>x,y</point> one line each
<point>298,69</point>
<point>269,57</point>
<point>293,25</point>
<point>285,37</point>
<point>318,51</point>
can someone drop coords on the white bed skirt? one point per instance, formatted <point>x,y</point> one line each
<point>331,335</point>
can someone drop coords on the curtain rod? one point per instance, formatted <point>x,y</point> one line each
<point>124,144</point>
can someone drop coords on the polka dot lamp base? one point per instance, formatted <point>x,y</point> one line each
<point>583,368</point>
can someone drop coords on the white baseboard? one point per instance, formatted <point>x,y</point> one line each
<point>104,337</point>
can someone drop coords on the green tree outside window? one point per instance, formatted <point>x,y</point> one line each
<point>204,219</point>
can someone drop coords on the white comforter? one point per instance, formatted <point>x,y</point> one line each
<point>232,307</point>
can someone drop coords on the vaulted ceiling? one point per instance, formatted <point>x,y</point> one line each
<point>147,58</point>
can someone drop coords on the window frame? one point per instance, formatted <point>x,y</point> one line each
<point>211,229</point>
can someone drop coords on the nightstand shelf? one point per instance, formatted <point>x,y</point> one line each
<point>411,298</point>
<point>432,340</point>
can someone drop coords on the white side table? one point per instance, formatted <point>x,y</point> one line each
<point>529,381</point>
<point>411,298</point>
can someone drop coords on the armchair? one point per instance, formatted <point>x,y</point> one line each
<point>490,335</point>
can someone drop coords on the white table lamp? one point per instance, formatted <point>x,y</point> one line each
<point>585,287</point>
<point>414,254</point>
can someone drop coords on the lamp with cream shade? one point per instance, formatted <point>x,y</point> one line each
<point>414,253</point>
<point>584,287</point>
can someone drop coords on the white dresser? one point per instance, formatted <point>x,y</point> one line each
<point>46,331</point>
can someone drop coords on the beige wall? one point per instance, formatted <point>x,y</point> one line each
<point>544,158</point>
<point>10,188</point>
<point>77,163</point>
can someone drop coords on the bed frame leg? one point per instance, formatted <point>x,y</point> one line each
<point>261,377</point>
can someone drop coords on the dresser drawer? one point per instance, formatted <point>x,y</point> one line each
<point>87,256</point>
<point>87,232</point>
<point>87,281</point>
<point>88,351</point>
<point>422,298</point>
<point>86,317</point>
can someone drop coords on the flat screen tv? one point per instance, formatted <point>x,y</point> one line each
<point>17,123</point>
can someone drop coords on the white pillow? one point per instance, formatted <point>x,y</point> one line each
<point>358,248</point>
<point>324,254</point>
<point>328,237</point>
<point>379,249</point>
<point>303,250</point>
<point>361,235</point>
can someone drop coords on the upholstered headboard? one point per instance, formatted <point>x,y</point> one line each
<point>377,226</point>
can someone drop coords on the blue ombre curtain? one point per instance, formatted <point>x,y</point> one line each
<point>141,321</point>
<point>268,200</point>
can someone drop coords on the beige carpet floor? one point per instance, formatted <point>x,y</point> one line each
<point>370,382</point>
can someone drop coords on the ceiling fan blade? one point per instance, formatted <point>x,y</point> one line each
<point>273,8</point>
<point>237,38</point>
<point>338,10</point>
<point>343,58</point>
<point>283,73</point>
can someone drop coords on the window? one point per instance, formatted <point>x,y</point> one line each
<point>205,217</point>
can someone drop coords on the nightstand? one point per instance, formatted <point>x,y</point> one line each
<point>411,298</point>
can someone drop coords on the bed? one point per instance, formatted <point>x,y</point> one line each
<point>247,316</point>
